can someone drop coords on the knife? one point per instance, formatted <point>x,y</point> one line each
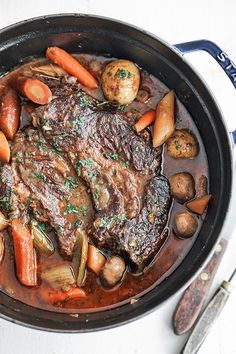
<point>209,316</point>
<point>192,301</point>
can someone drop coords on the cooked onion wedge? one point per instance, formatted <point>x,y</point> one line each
<point>3,222</point>
<point>42,242</point>
<point>59,277</point>
<point>1,247</point>
<point>82,248</point>
<point>52,70</point>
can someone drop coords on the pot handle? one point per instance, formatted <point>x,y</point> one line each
<point>218,54</point>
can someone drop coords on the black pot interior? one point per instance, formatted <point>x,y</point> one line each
<point>103,36</point>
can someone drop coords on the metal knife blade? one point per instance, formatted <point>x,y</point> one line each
<point>208,317</point>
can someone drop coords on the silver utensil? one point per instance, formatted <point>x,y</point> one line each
<point>209,316</point>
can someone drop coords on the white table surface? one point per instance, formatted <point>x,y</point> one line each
<point>173,21</point>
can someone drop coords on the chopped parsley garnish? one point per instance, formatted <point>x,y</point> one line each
<point>40,143</point>
<point>57,143</point>
<point>105,222</point>
<point>43,226</point>
<point>96,192</point>
<point>125,163</point>
<point>5,202</point>
<point>74,209</point>
<point>112,156</point>
<point>79,121</point>
<point>19,157</point>
<point>87,162</point>
<point>92,174</point>
<point>177,145</point>
<point>123,217</point>
<point>39,175</point>
<point>29,201</point>
<point>145,224</point>
<point>83,101</point>
<point>122,73</point>
<point>58,228</point>
<point>84,210</point>
<point>46,125</point>
<point>120,108</point>
<point>82,163</point>
<point>71,209</point>
<point>71,183</point>
<point>38,213</point>
<point>78,223</point>
<point>117,218</point>
<point>178,119</point>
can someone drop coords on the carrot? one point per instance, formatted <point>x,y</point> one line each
<point>34,89</point>
<point>164,125</point>
<point>95,260</point>
<point>71,66</point>
<point>10,113</point>
<point>24,253</point>
<point>58,296</point>
<point>199,205</point>
<point>4,149</point>
<point>144,121</point>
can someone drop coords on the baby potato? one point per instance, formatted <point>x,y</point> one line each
<point>185,224</point>
<point>182,186</point>
<point>182,144</point>
<point>120,81</point>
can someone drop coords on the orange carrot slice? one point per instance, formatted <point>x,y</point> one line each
<point>10,113</point>
<point>34,89</point>
<point>59,296</point>
<point>72,66</point>
<point>199,205</point>
<point>95,260</point>
<point>164,125</point>
<point>145,121</point>
<point>4,149</point>
<point>24,253</point>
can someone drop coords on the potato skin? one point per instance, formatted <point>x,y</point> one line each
<point>182,186</point>
<point>120,81</point>
<point>182,145</point>
<point>185,224</point>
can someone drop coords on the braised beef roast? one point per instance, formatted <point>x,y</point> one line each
<point>121,170</point>
<point>86,167</point>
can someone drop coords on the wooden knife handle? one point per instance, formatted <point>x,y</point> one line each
<point>194,296</point>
